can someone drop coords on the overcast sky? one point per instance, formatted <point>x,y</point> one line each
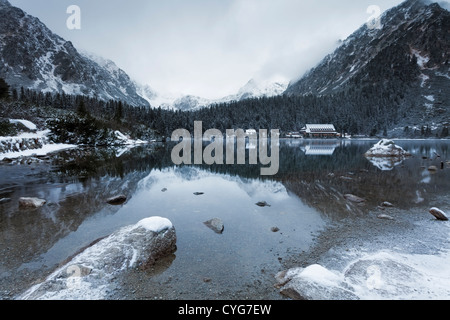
<point>208,48</point>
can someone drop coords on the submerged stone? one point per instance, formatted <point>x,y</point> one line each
<point>5,200</point>
<point>216,225</point>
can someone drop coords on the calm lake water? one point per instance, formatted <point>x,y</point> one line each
<point>305,198</point>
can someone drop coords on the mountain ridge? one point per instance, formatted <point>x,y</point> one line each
<point>33,57</point>
<point>337,68</point>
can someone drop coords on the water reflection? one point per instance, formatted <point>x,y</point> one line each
<point>307,193</point>
<point>320,147</point>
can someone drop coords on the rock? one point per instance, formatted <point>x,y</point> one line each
<point>312,283</point>
<point>387,204</point>
<point>353,198</point>
<point>91,274</point>
<point>262,204</point>
<point>31,202</point>
<point>199,193</point>
<point>164,190</point>
<point>439,214</point>
<point>385,217</point>
<point>117,200</point>
<point>216,225</point>
<point>432,168</point>
<point>5,200</point>
<point>275,229</point>
<point>386,148</point>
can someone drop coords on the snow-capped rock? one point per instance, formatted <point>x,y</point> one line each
<point>31,202</point>
<point>91,274</point>
<point>122,139</point>
<point>439,214</point>
<point>386,148</point>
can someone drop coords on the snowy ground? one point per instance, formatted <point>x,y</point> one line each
<point>403,258</point>
<point>37,143</point>
<point>17,146</point>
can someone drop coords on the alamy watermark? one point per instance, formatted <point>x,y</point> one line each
<point>374,21</point>
<point>73,22</point>
<point>235,144</point>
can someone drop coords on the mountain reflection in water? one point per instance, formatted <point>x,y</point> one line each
<point>307,192</point>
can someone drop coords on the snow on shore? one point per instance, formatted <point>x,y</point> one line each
<point>28,144</point>
<point>124,140</point>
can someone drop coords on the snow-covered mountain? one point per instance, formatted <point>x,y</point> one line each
<point>416,29</point>
<point>32,56</point>
<point>253,89</point>
<point>402,67</point>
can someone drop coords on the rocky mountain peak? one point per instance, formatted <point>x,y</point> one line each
<point>412,28</point>
<point>5,3</point>
<point>33,57</point>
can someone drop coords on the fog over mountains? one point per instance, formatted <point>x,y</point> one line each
<point>33,57</point>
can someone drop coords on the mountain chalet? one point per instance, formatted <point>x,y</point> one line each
<point>319,131</point>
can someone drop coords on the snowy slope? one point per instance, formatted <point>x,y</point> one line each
<point>415,28</point>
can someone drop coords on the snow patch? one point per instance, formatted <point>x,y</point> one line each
<point>155,224</point>
<point>123,139</point>
<point>29,144</point>
<point>421,59</point>
<point>382,275</point>
<point>90,274</point>
<point>28,124</point>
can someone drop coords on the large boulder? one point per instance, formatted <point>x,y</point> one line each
<point>313,283</point>
<point>90,274</point>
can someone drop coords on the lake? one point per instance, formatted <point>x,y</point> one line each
<point>308,220</point>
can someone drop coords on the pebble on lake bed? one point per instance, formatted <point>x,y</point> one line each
<point>117,200</point>
<point>216,225</point>
<point>262,204</point>
<point>385,217</point>
<point>353,198</point>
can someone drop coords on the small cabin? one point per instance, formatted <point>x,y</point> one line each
<point>294,135</point>
<point>319,131</point>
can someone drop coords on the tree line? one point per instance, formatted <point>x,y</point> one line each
<point>358,110</point>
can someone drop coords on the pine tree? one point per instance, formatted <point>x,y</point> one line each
<point>119,112</point>
<point>81,110</point>
<point>4,89</point>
